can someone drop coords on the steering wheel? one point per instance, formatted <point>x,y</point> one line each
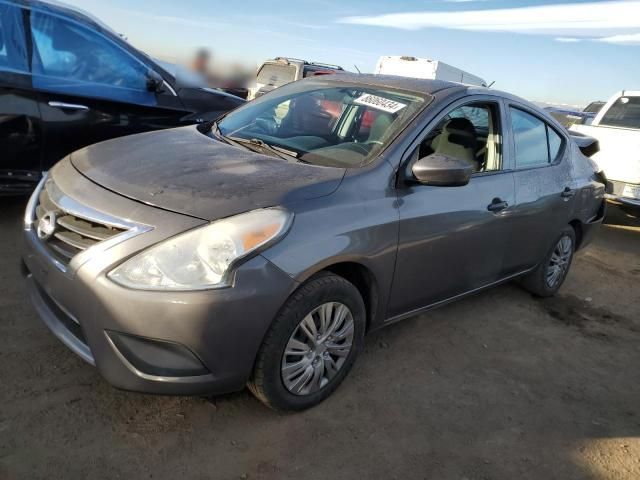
<point>266,125</point>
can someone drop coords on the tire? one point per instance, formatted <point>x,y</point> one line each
<point>325,294</point>
<point>538,281</point>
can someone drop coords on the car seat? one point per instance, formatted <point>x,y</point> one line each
<point>458,139</point>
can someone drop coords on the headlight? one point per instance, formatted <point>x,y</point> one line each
<point>201,258</point>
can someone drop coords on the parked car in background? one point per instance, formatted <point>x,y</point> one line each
<point>406,66</point>
<point>67,81</point>
<point>261,248</point>
<point>617,128</point>
<point>282,70</point>
<point>594,107</point>
<point>568,117</point>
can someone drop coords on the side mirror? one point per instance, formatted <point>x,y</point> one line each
<point>442,170</point>
<point>155,83</point>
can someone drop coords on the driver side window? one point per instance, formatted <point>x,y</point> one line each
<point>471,133</point>
<point>68,51</point>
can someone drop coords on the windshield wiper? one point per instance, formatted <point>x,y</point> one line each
<point>215,128</point>
<point>277,151</point>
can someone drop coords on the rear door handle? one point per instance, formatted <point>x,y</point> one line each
<point>567,193</point>
<point>497,205</point>
<point>68,106</point>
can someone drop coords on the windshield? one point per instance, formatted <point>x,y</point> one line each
<point>325,123</point>
<point>625,112</point>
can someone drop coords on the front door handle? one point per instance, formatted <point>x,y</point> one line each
<point>567,193</point>
<point>68,106</point>
<point>497,205</point>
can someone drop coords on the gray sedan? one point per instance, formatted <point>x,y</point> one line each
<point>260,249</point>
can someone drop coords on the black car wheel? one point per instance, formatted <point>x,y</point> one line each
<point>549,276</point>
<point>311,345</point>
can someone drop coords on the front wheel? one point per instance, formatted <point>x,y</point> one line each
<point>311,345</point>
<point>549,276</point>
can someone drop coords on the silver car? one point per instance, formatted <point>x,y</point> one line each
<point>260,249</point>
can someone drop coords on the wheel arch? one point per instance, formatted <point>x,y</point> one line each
<point>362,277</point>
<point>577,228</point>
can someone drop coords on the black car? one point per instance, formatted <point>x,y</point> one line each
<point>67,81</point>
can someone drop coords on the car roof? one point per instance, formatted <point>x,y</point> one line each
<point>435,88</point>
<point>416,85</point>
<point>69,10</point>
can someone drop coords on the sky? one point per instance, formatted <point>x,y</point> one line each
<point>569,52</point>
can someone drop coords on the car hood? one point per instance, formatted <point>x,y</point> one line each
<point>187,172</point>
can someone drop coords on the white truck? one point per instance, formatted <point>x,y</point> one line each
<point>617,129</point>
<point>425,68</point>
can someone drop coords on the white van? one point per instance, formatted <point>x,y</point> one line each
<point>425,68</point>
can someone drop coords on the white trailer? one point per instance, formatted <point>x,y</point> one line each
<point>425,68</point>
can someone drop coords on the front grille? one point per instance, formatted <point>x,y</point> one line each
<point>72,233</point>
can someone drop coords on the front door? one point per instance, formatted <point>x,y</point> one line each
<point>452,239</point>
<point>20,124</point>
<point>90,88</point>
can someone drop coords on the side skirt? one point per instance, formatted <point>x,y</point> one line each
<point>421,310</point>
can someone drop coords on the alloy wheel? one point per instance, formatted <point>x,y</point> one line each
<point>559,263</point>
<point>317,349</point>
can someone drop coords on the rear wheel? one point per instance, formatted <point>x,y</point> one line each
<point>549,276</point>
<point>311,346</point>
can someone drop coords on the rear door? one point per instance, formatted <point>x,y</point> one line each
<point>90,87</point>
<point>544,186</point>
<point>20,124</point>
<point>452,239</point>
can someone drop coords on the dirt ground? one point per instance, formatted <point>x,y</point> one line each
<point>498,386</point>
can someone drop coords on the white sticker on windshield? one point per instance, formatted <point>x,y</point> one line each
<point>379,103</point>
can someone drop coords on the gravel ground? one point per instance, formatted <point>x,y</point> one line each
<point>500,385</point>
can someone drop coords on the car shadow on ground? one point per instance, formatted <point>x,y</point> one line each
<point>498,385</point>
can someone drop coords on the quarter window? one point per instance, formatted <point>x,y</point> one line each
<point>555,143</point>
<point>536,143</point>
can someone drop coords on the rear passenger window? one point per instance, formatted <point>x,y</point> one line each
<point>536,143</point>
<point>13,51</point>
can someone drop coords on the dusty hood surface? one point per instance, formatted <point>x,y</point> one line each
<point>187,172</point>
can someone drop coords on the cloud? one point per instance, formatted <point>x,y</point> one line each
<point>568,39</point>
<point>594,20</point>
<point>201,22</point>
<point>629,39</point>
<point>188,22</point>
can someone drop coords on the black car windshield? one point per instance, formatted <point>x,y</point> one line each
<point>325,123</point>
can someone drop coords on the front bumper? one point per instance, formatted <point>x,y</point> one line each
<point>221,329</point>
